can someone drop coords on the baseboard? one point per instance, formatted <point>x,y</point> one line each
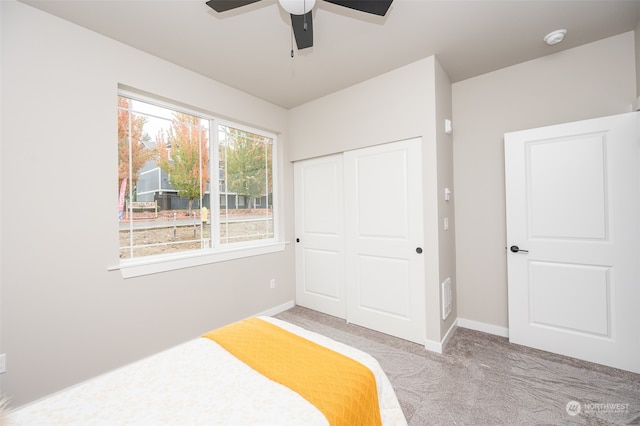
<point>433,346</point>
<point>484,327</point>
<point>277,309</point>
<point>430,345</point>
<point>439,347</point>
<point>449,335</point>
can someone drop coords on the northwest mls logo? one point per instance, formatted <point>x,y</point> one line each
<point>573,408</point>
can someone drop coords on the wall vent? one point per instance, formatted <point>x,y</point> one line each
<point>446,298</point>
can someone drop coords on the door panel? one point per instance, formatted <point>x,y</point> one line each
<point>320,273</point>
<point>381,194</point>
<point>383,205</point>
<point>573,201</point>
<point>554,287</point>
<point>575,188</point>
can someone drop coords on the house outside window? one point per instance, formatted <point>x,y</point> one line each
<point>188,183</point>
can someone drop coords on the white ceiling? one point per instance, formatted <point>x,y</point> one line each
<point>249,48</point>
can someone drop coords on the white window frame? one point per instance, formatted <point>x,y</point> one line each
<point>147,265</point>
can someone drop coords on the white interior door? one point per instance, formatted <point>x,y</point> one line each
<point>320,270</point>
<point>385,272</point>
<point>573,210</point>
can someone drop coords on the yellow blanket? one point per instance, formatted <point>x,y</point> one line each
<point>343,389</point>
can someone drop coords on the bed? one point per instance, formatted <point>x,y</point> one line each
<point>202,383</point>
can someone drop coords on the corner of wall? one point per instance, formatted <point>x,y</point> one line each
<point>637,52</point>
<point>446,206</point>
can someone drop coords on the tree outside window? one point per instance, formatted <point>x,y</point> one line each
<point>183,154</point>
<point>133,153</point>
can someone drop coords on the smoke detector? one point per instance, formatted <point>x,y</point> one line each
<point>555,37</point>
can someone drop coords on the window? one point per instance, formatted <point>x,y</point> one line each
<point>247,161</point>
<point>171,198</point>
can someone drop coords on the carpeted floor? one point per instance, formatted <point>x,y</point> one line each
<point>483,379</point>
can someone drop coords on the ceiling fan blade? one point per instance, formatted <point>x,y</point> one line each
<point>302,30</point>
<point>224,5</point>
<point>376,7</point>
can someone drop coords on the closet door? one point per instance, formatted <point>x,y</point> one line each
<point>320,270</point>
<point>384,237</point>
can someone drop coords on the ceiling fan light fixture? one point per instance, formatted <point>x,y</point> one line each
<point>555,37</point>
<point>297,7</point>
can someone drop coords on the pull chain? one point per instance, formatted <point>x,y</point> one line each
<point>304,23</point>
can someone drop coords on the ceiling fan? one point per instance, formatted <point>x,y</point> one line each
<point>300,11</point>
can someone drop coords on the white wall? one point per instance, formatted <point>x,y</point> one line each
<point>590,81</point>
<point>637,51</point>
<point>394,106</point>
<point>398,105</point>
<point>64,317</point>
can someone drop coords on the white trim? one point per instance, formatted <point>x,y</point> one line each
<point>154,265</point>
<point>439,347</point>
<point>449,335</point>
<point>433,346</point>
<point>484,327</point>
<point>277,309</point>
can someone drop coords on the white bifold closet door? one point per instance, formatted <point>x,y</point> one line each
<point>370,200</point>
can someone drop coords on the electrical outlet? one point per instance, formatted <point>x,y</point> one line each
<point>272,283</point>
<point>3,363</point>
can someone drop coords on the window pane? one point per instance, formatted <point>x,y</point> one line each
<point>163,180</point>
<point>246,186</point>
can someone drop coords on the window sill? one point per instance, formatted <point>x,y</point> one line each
<point>139,267</point>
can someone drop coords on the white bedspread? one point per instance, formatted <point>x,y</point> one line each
<point>196,383</point>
